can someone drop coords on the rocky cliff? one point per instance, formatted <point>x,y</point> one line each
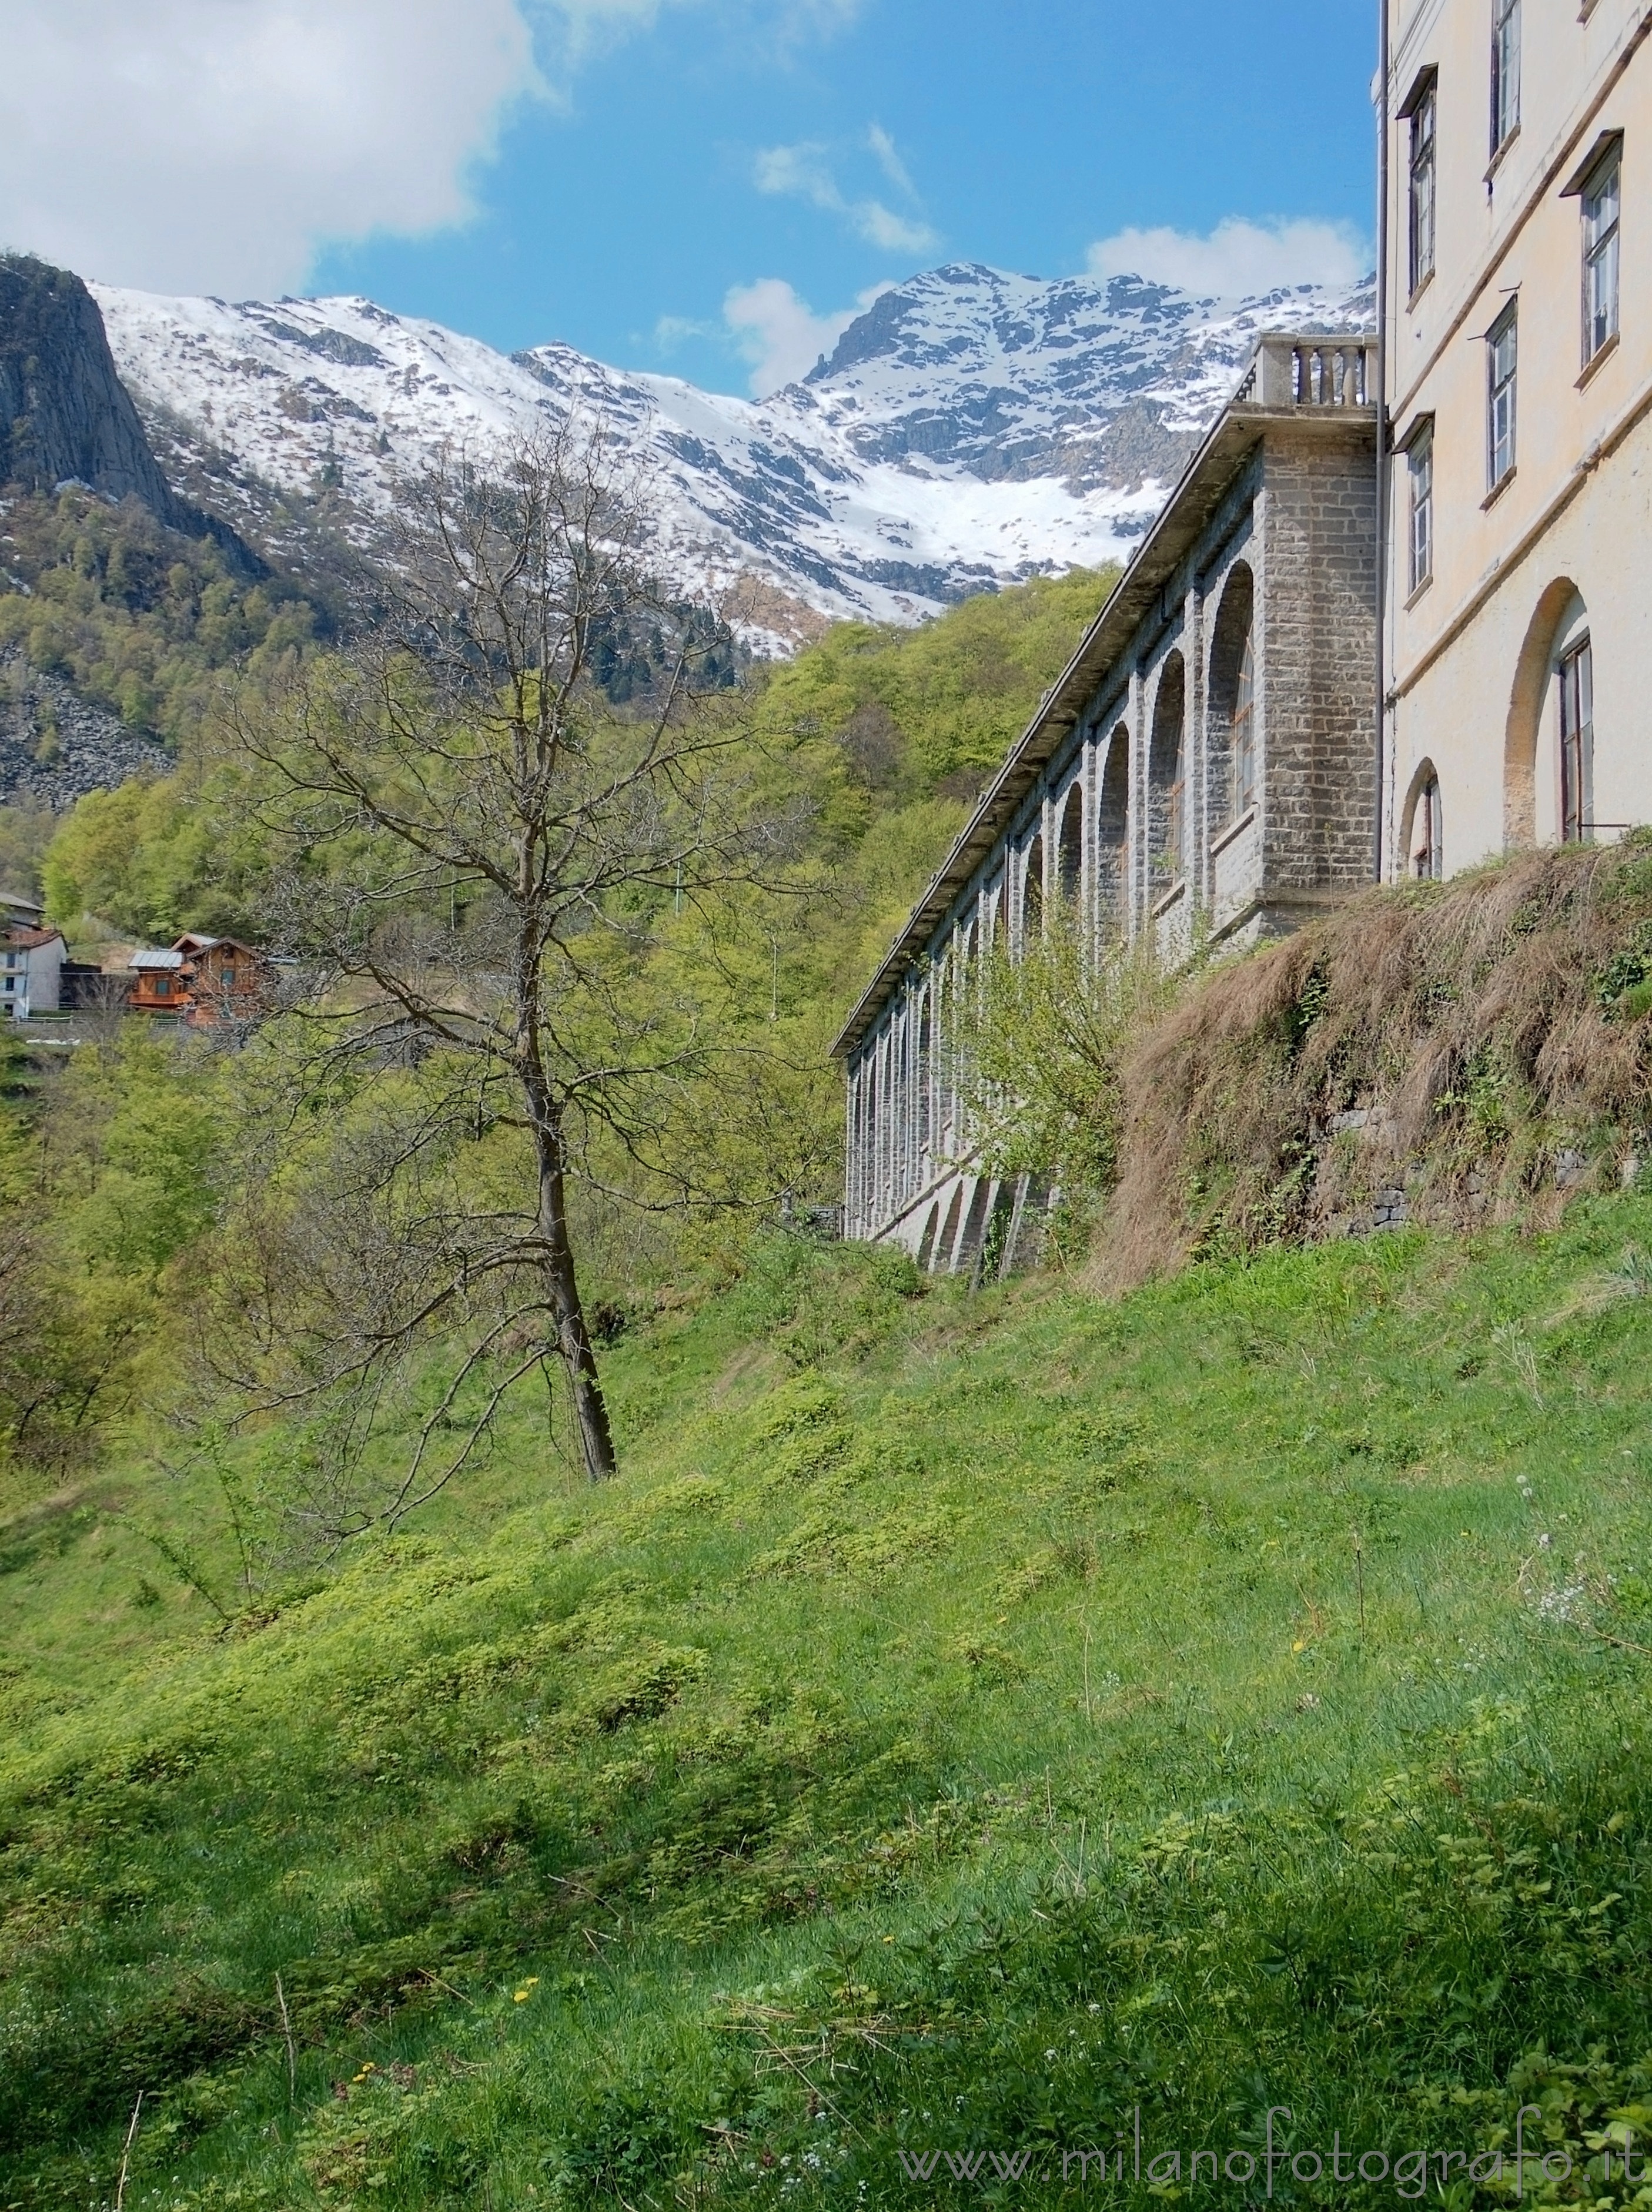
<point>64,410</point>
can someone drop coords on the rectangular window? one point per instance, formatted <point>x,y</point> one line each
<point>1505,71</point>
<point>1422,188</point>
<point>1501,360</point>
<point>1420,463</point>
<point>1601,198</point>
<point>1576,740</point>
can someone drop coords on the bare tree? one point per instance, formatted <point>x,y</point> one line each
<point>481,848</point>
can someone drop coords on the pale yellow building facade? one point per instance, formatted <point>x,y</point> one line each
<point>1517,661</point>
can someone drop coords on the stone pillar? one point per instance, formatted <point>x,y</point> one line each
<point>855,1181</point>
<point>1195,749</point>
<point>1090,781</point>
<point>1316,630</point>
<point>1138,826</point>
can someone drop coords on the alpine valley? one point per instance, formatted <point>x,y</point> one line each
<point>971,428</point>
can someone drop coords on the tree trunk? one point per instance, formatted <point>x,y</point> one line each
<point>562,1282</point>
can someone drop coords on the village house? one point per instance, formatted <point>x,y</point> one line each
<point>205,980</point>
<point>1207,760</point>
<point>30,963</point>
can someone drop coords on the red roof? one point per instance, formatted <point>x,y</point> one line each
<point>28,940</point>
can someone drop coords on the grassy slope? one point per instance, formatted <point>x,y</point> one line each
<point>956,1727</point>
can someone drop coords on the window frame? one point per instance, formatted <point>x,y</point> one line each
<point>1601,249</point>
<point>1422,162</point>
<point>1426,858</point>
<point>1505,72</point>
<point>1574,681</point>
<point>1501,389</point>
<point>1419,544</point>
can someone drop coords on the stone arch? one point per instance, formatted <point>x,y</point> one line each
<point>945,1249</point>
<point>1231,724</point>
<point>1422,847</point>
<point>1527,700</point>
<point>1167,778</point>
<point>975,1223</point>
<point>1032,892</point>
<point>926,1241</point>
<point>923,1067</point>
<point>1069,847</point>
<point>1112,837</point>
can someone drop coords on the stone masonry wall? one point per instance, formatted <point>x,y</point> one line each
<point>1319,649</point>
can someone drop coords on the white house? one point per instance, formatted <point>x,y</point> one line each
<point>31,966</point>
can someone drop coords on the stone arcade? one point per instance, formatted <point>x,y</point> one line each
<point>1208,758</point>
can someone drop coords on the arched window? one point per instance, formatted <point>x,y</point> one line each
<point>1575,674</point>
<point>1533,808</point>
<point>1032,894</point>
<point>1070,846</point>
<point>1167,770</point>
<point>1111,827</point>
<point>1425,855</point>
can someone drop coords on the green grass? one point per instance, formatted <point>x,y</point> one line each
<point>965,1722</point>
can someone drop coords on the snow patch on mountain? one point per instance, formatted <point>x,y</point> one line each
<point>971,428</point>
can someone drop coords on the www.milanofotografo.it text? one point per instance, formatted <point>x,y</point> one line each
<point>1409,2174</point>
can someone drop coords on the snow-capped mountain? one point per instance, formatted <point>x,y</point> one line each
<point>970,429</point>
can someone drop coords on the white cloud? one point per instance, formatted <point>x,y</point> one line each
<point>881,226</point>
<point>802,172</point>
<point>213,145</point>
<point>208,145</point>
<point>672,330</point>
<point>779,335</point>
<point>1238,258</point>
<point>890,161</point>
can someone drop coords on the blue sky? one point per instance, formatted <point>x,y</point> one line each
<point>1022,134</point>
<point>705,186</point>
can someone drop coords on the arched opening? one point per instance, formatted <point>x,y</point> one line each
<point>1032,894</point>
<point>1070,848</point>
<point>869,1208</point>
<point>945,1251</point>
<point>1112,830</point>
<point>1534,671</point>
<point>923,1072</point>
<point>926,1241</point>
<point>1421,835</point>
<point>1167,778</point>
<point>1000,921</point>
<point>1232,726</point>
<point>975,1223</point>
<point>883,1101</point>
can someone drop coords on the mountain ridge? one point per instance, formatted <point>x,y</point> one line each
<point>971,428</point>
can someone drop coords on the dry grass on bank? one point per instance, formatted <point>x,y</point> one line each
<point>1496,1031</point>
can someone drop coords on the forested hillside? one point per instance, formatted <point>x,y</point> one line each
<point>904,726</point>
<point>884,734</point>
